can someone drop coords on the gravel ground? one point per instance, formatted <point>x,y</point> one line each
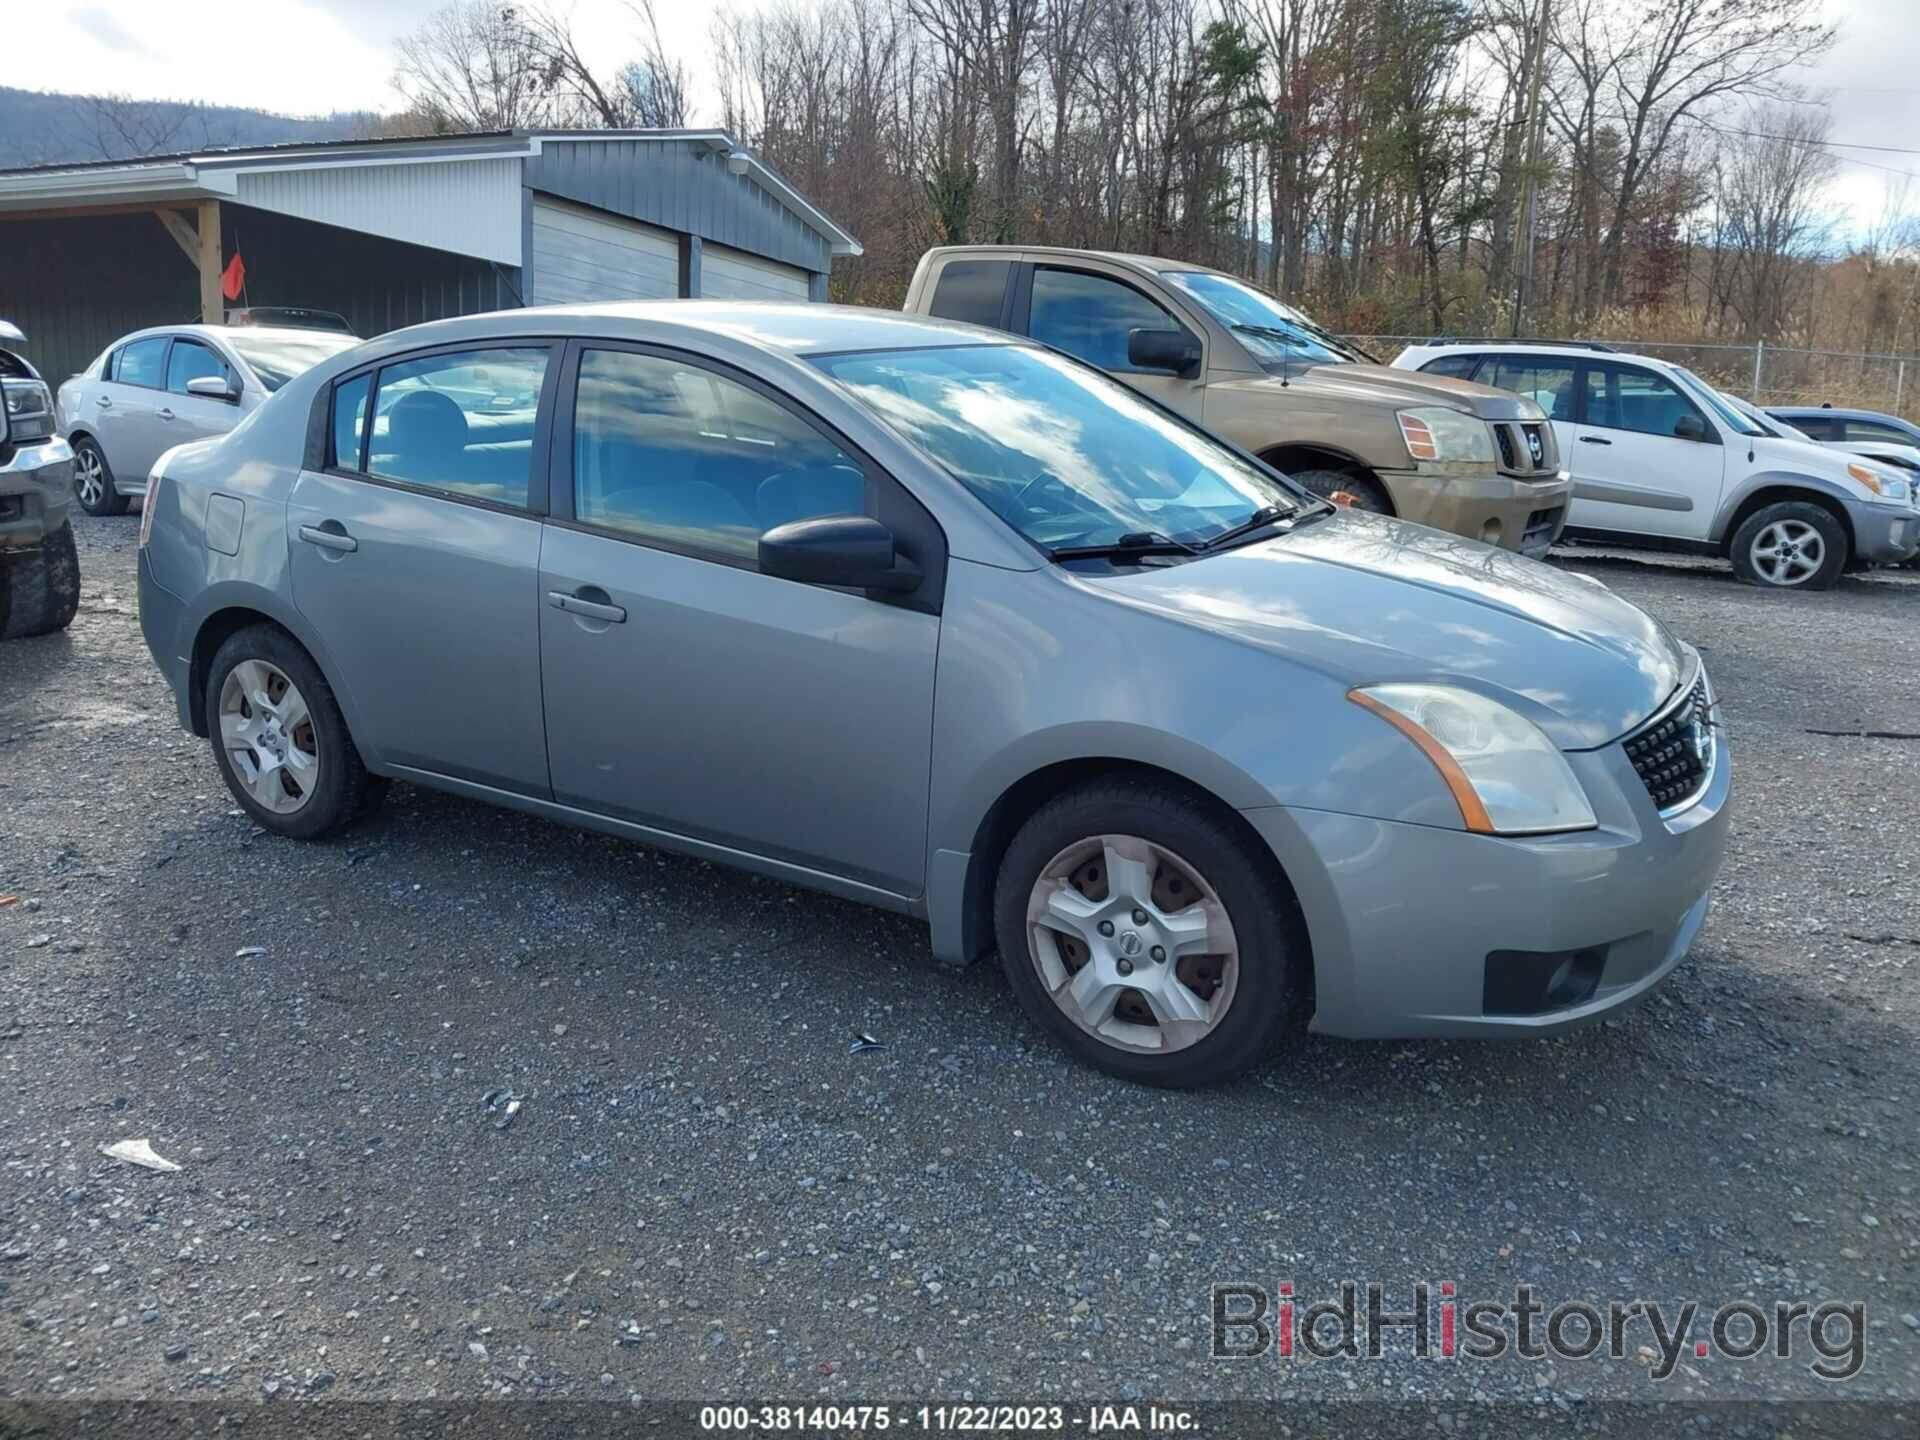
<point>705,1194</point>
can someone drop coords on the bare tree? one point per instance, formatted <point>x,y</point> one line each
<point>1768,189</point>
<point>477,65</point>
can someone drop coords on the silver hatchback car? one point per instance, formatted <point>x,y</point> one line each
<point>934,618</point>
<point>155,389</point>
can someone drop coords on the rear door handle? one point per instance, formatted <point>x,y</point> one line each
<point>164,412</point>
<point>103,401</point>
<point>334,539</point>
<point>579,604</point>
<point>1594,440</point>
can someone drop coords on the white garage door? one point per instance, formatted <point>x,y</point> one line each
<point>581,255</point>
<point>729,274</point>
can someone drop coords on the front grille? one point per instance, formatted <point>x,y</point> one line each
<point>1508,459</point>
<point>1673,755</point>
<point>1527,447</point>
<point>1541,525</point>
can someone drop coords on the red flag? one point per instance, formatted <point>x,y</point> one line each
<point>233,279</point>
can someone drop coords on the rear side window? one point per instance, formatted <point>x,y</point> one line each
<point>1813,429</point>
<point>190,360</point>
<point>1090,316</point>
<point>1545,381</point>
<point>1873,430</point>
<point>350,422</point>
<point>142,363</point>
<point>676,454</point>
<point>1454,367</point>
<point>460,422</point>
<point>971,290</point>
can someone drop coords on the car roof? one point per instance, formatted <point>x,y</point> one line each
<point>227,332</point>
<point>1157,264</point>
<point>793,328</point>
<point>1836,412</point>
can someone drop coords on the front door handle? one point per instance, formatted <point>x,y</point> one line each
<point>1594,440</point>
<point>581,603</point>
<point>165,412</point>
<point>334,538</point>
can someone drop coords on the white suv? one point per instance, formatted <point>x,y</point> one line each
<point>1661,459</point>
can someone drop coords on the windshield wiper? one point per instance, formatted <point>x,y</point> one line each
<point>1135,544</point>
<point>1266,515</point>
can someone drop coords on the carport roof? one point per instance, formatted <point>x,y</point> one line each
<point>213,174</point>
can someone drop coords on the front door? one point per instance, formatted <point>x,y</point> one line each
<point>126,407</point>
<point>1091,315</point>
<point>1645,459</point>
<point>687,691</point>
<point>416,556</point>
<point>197,417</point>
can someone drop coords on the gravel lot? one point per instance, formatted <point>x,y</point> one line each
<point>706,1195</point>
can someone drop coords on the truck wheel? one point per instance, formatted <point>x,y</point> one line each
<point>41,587</point>
<point>93,480</point>
<point>1148,934</point>
<point>1794,545</point>
<point>1342,487</point>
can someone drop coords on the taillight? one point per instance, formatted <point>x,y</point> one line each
<point>146,506</point>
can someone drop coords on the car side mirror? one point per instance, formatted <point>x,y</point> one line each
<point>1690,427</point>
<point>1171,350</point>
<point>212,387</point>
<point>856,551</point>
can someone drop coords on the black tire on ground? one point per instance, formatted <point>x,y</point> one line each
<point>1344,487</point>
<point>345,790</point>
<point>1793,516</point>
<point>39,588</point>
<point>86,453</point>
<point>1274,964</point>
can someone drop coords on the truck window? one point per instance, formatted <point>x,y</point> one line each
<point>971,290</point>
<point>1090,316</point>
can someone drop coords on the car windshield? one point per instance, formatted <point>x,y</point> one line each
<point>1066,456</point>
<point>276,359</point>
<point>1742,424</point>
<point>1267,327</point>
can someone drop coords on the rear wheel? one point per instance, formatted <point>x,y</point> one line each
<point>1150,936</point>
<point>1343,487</point>
<point>93,479</point>
<point>279,738</point>
<point>1794,545</point>
<point>40,588</point>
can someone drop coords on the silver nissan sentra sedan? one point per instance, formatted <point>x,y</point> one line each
<point>934,618</point>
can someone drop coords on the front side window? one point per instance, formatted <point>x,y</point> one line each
<point>1543,380</point>
<point>142,363</point>
<point>971,290</point>
<point>1623,397</point>
<point>680,455</point>
<point>190,360</point>
<point>1272,331</point>
<point>461,422</point>
<point>1061,453</point>
<point>1812,428</point>
<point>1090,316</point>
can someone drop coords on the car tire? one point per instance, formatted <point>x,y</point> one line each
<point>1344,487</point>
<point>1793,545</point>
<point>290,761</point>
<point>40,588</point>
<point>1243,981</point>
<point>93,485</point>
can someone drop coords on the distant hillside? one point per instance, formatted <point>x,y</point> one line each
<point>45,128</point>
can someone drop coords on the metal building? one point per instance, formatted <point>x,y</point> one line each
<point>391,232</point>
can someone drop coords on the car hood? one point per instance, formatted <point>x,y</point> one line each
<point>1809,457</point>
<point>1388,388</point>
<point>1368,600</point>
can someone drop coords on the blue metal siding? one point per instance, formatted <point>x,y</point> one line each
<point>680,186</point>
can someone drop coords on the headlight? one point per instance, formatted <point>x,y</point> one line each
<point>1503,771</point>
<point>1435,433</point>
<point>1883,485</point>
<point>29,410</point>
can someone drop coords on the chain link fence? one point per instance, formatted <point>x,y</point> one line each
<point>1763,374</point>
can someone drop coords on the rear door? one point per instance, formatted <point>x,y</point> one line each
<point>126,407</point>
<point>1091,313</point>
<point>196,417</point>
<point>416,556</point>
<point>687,691</point>
<point>1635,469</point>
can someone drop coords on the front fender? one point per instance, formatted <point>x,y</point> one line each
<point>1731,502</point>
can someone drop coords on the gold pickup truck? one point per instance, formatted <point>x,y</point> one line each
<point>1460,457</point>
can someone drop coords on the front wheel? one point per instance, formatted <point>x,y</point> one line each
<point>1150,936</point>
<point>1342,487</point>
<point>40,588</point>
<point>93,480</point>
<point>1794,545</point>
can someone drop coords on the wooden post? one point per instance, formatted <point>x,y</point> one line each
<point>212,304</point>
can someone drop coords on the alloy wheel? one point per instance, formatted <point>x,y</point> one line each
<point>89,476</point>
<point>267,733</point>
<point>1788,552</point>
<point>1132,943</point>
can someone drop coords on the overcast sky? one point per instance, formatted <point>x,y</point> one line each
<point>311,56</point>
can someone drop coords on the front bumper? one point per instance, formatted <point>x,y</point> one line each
<point>35,481</point>
<point>1522,515</point>
<point>1884,534</point>
<point>1416,929</point>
